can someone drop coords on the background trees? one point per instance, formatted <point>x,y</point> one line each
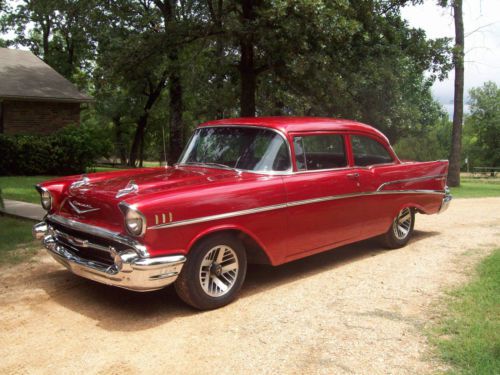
<point>160,67</point>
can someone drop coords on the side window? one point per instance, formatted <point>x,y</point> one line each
<point>368,151</point>
<point>313,152</point>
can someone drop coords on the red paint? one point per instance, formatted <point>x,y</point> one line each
<point>292,232</point>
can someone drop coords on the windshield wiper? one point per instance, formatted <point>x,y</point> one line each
<point>210,163</point>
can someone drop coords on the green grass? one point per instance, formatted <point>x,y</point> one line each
<point>21,188</point>
<point>468,336</point>
<point>16,244</point>
<point>470,188</point>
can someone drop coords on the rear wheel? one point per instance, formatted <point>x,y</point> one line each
<point>213,273</point>
<point>401,229</point>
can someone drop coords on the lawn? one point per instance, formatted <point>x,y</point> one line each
<point>471,188</point>
<point>17,243</point>
<point>21,188</point>
<point>468,336</point>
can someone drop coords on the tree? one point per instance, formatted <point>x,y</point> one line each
<point>56,31</point>
<point>482,126</point>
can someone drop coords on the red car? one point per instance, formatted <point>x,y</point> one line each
<point>249,190</point>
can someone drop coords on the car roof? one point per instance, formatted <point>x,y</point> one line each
<point>300,124</point>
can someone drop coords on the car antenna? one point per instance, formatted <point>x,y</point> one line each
<point>164,147</point>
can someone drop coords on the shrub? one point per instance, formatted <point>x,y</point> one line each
<point>68,151</point>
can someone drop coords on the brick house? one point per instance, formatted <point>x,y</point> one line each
<point>34,98</point>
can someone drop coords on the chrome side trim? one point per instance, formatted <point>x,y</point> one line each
<point>289,204</point>
<point>435,177</point>
<point>219,216</point>
<point>101,232</point>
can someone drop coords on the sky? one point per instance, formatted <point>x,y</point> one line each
<point>482,41</point>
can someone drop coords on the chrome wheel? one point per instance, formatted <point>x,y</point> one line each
<point>219,271</point>
<point>402,224</point>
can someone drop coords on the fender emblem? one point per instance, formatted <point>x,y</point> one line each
<point>82,208</point>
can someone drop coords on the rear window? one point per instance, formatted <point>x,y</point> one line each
<point>368,151</point>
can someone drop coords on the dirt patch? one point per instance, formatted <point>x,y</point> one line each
<point>357,309</point>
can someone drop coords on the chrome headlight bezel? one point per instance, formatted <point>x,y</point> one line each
<point>134,220</point>
<point>45,198</point>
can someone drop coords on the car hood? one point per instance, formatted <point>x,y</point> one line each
<point>149,181</point>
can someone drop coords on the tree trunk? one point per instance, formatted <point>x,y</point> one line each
<point>248,74</point>
<point>122,150</point>
<point>175,108</point>
<point>142,122</point>
<point>138,139</point>
<point>458,100</point>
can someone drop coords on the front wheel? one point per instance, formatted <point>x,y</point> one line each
<point>213,273</point>
<point>401,229</point>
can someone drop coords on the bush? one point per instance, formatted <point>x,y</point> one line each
<point>68,151</point>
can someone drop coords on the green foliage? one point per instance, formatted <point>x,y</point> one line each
<point>432,143</point>
<point>17,243</point>
<point>468,338</point>
<point>68,151</point>
<point>482,126</point>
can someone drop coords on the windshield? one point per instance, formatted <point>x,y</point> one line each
<point>251,149</point>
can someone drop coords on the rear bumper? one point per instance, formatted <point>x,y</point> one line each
<point>446,201</point>
<point>129,271</point>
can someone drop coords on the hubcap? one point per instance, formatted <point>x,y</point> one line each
<point>402,224</point>
<point>219,271</point>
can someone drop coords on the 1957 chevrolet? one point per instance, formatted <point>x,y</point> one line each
<point>249,190</point>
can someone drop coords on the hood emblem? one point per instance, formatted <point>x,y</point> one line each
<point>84,181</point>
<point>82,208</point>
<point>130,188</point>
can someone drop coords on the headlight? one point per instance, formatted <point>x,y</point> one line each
<point>135,222</point>
<point>45,199</point>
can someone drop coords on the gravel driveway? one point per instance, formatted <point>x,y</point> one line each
<point>358,309</point>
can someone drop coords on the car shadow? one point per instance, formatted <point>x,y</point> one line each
<point>117,309</point>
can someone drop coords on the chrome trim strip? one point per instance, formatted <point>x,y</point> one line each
<point>270,173</point>
<point>435,177</point>
<point>101,232</point>
<point>289,204</point>
<point>219,216</point>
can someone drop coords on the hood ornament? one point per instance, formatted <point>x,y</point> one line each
<point>130,188</point>
<point>82,208</point>
<point>84,181</point>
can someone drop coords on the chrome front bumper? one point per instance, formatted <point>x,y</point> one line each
<point>129,271</point>
<point>446,201</point>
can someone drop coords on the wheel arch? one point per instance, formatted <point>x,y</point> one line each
<point>255,250</point>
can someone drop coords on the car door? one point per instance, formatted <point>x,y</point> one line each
<point>320,211</point>
<point>374,165</point>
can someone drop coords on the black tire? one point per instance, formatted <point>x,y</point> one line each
<point>194,288</point>
<point>395,237</point>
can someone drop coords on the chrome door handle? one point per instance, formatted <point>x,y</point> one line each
<point>353,175</point>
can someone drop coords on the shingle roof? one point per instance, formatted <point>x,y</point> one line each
<point>25,76</point>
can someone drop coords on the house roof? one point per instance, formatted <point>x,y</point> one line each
<point>24,76</point>
<point>301,124</point>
